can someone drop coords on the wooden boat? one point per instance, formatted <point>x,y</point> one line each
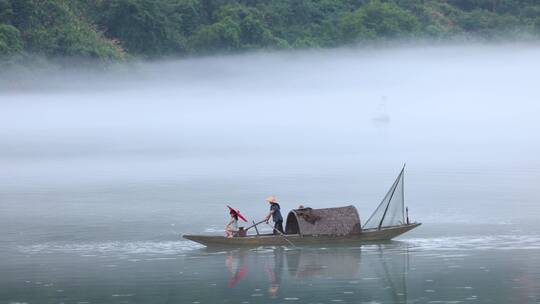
<point>340,225</point>
<point>367,236</point>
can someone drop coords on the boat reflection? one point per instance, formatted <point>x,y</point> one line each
<point>378,270</point>
<point>337,264</point>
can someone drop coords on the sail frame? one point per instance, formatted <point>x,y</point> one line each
<point>387,201</point>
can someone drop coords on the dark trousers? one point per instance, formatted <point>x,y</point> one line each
<point>278,226</point>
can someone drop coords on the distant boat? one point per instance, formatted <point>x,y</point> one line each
<point>340,225</point>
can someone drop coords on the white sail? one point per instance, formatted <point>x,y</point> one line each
<point>391,211</point>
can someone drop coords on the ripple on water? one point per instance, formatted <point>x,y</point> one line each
<point>122,248</point>
<point>464,243</point>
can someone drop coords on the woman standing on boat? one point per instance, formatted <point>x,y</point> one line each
<point>275,213</point>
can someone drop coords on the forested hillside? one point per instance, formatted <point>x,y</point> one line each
<point>120,29</point>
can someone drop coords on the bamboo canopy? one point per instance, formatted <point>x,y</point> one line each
<point>327,221</point>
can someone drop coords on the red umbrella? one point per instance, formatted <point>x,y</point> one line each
<point>237,213</point>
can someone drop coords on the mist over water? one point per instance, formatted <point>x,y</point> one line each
<point>119,163</point>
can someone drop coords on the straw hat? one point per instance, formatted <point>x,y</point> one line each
<point>271,199</point>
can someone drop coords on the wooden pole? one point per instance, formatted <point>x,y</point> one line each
<point>255,225</point>
<point>283,235</point>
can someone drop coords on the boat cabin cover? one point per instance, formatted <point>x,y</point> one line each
<point>327,221</point>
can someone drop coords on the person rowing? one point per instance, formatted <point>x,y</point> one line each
<point>275,213</point>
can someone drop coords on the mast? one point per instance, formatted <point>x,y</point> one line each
<point>403,194</point>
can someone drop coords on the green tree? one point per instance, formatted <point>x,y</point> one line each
<point>51,28</point>
<point>487,23</point>
<point>223,35</point>
<point>150,28</point>
<point>237,27</point>
<point>378,19</point>
<point>388,19</point>
<point>10,41</point>
<point>6,12</point>
<point>353,27</point>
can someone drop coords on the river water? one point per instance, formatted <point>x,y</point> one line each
<point>103,171</point>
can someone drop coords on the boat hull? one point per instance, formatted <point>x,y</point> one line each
<point>366,236</point>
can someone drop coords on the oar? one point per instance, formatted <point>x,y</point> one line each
<point>255,225</point>
<point>283,235</point>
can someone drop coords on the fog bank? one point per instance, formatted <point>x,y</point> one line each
<point>316,127</point>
